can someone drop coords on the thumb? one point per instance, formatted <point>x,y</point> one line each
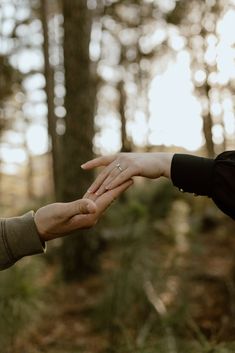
<point>81,206</point>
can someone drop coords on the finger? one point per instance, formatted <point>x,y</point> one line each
<point>107,198</point>
<point>120,179</point>
<point>101,178</point>
<point>98,162</point>
<point>83,206</point>
<point>113,174</point>
<point>90,196</point>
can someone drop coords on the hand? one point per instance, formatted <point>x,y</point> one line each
<point>104,201</point>
<point>59,219</point>
<point>123,166</point>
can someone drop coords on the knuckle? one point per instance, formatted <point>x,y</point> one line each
<point>82,207</point>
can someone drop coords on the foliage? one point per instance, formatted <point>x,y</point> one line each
<point>20,301</point>
<point>147,305</point>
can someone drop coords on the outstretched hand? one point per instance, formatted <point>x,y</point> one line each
<point>59,219</point>
<point>123,166</point>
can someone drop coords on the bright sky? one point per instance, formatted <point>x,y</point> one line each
<point>175,112</point>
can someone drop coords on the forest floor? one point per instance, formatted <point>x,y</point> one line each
<point>67,324</point>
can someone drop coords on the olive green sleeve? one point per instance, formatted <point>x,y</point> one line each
<point>18,238</point>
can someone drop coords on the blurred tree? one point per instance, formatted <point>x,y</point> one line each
<point>198,23</point>
<point>6,76</point>
<point>134,37</point>
<point>126,144</point>
<point>50,88</point>
<point>22,44</point>
<point>79,252</point>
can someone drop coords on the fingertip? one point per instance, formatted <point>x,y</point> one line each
<point>101,191</point>
<point>98,191</point>
<point>92,189</point>
<point>85,166</point>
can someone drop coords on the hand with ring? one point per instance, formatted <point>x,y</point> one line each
<point>123,166</point>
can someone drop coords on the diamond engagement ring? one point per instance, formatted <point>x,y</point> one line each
<point>118,165</point>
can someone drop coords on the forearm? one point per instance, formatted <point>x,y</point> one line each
<point>18,238</point>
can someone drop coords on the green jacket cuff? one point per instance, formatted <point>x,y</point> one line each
<point>18,238</point>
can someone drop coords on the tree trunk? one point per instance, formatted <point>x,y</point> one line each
<point>207,127</point>
<point>29,177</point>
<point>49,77</point>
<point>126,145</point>
<point>79,252</point>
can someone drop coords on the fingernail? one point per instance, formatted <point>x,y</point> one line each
<point>82,166</point>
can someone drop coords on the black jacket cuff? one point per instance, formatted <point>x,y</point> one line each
<point>192,174</point>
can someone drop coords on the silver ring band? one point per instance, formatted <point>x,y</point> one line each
<point>119,167</point>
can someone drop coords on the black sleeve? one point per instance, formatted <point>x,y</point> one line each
<point>214,178</point>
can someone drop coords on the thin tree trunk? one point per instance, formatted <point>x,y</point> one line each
<point>29,177</point>
<point>49,77</point>
<point>126,145</point>
<point>207,127</point>
<point>79,252</point>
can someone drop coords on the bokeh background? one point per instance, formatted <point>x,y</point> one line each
<point>80,78</point>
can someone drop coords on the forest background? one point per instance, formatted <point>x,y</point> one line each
<point>80,78</point>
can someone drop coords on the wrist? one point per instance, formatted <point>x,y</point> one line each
<point>41,233</point>
<point>166,164</point>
